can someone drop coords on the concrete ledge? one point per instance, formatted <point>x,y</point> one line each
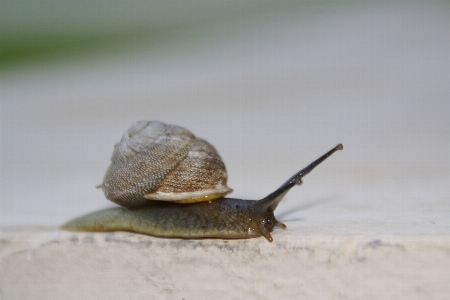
<point>45,263</point>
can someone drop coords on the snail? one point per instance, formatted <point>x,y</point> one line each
<point>169,183</point>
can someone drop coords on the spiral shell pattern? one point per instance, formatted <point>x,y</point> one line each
<point>156,161</point>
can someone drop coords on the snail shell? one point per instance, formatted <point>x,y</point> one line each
<point>156,161</point>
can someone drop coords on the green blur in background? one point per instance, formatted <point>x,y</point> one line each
<point>35,30</point>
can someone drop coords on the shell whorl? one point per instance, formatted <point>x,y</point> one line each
<point>156,161</point>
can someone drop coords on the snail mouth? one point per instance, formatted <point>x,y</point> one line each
<point>268,224</point>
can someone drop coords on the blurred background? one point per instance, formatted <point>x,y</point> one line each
<point>272,84</point>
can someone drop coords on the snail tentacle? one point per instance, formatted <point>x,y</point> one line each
<point>273,199</point>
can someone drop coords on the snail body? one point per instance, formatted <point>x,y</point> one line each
<point>222,218</point>
<point>187,200</point>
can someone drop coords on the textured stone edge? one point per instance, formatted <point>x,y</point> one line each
<point>46,263</point>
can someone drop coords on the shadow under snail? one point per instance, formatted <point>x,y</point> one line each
<point>172,184</point>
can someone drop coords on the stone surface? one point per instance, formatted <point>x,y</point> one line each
<point>44,263</point>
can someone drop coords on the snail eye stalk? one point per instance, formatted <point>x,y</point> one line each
<point>275,198</point>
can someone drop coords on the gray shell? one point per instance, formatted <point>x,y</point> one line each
<point>156,161</point>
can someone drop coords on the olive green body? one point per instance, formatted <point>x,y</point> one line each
<point>222,218</point>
